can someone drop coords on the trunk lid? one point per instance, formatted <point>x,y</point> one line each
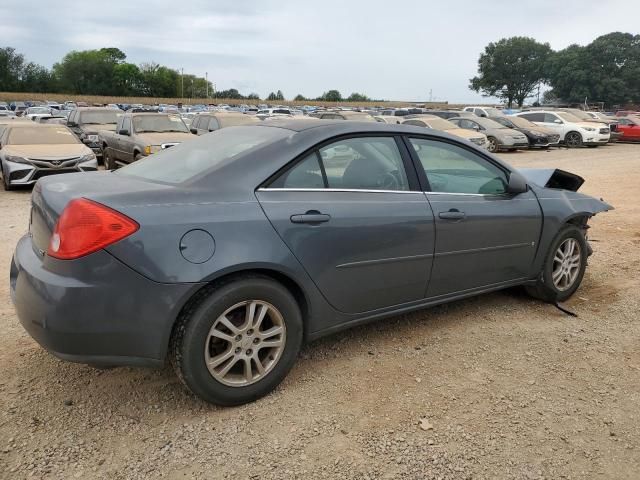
<point>52,194</point>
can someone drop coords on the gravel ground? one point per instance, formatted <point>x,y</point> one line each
<point>499,386</point>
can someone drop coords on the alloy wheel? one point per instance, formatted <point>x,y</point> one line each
<point>566,264</point>
<point>492,145</point>
<point>573,140</point>
<point>245,343</point>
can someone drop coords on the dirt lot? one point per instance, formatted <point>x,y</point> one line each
<point>507,387</point>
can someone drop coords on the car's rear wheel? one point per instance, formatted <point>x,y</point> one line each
<point>236,341</point>
<point>492,144</point>
<point>564,266</point>
<point>573,140</point>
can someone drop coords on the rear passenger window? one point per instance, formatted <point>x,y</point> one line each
<point>550,118</point>
<point>363,163</point>
<point>305,174</point>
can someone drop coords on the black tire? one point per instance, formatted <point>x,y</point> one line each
<point>5,183</point>
<point>545,288</point>
<point>192,330</point>
<point>107,159</point>
<point>573,140</point>
<point>136,157</point>
<point>492,145</point>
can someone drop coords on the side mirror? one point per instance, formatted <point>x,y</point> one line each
<point>72,124</point>
<point>194,131</point>
<point>517,184</point>
<point>124,132</point>
<point>557,120</point>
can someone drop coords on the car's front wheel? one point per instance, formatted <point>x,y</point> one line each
<point>109,164</point>
<point>564,266</point>
<point>492,144</point>
<point>573,140</point>
<point>236,341</point>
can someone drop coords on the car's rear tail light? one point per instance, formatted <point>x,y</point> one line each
<point>85,227</point>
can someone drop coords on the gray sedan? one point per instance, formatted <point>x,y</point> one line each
<point>226,253</point>
<point>499,137</point>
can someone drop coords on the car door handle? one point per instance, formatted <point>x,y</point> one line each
<point>312,216</point>
<point>452,215</point>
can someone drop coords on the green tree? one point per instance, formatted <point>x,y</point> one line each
<point>331,96</point>
<point>89,71</point>
<point>253,96</point>
<point>358,97</point>
<point>607,70</point>
<point>272,96</point>
<point>159,81</point>
<point>511,69</point>
<point>37,79</point>
<point>127,79</point>
<point>11,65</point>
<point>279,95</point>
<point>231,93</point>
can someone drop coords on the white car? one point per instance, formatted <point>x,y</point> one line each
<point>484,111</point>
<point>34,112</point>
<point>273,112</point>
<point>573,131</point>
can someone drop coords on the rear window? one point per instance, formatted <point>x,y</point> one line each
<point>191,159</point>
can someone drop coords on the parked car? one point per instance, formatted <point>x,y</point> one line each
<point>630,128</point>
<point>585,116</point>
<point>394,112</point>
<point>33,112</point>
<point>437,123</point>
<point>18,108</point>
<point>573,131</point>
<point>226,253</point>
<point>51,119</point>
<point>447,114</point>
<point>31,151</point>
<point>273,112</point>
<point>388,119</point>
<point>499,137</point>
<point>88,122</point>
<point>354,116</point>
<point>487,112</point>
<point>538,137</point>
<point>138,135</point>
<point>209,122</point>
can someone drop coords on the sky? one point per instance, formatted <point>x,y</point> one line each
<point>403,50</point>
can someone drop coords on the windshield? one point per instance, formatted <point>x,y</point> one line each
<point>44,110</point>
<point>494,112</point>
<point>440,124</point>
<point>98,117</point>
<point>41,136</point>
<point>522,122</point>
<point>568,117</point>
<point>191,159</point>
<point>488,124</point>
<point>159,123</point>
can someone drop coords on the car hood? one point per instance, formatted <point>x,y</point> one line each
<point>167,137</point>
<point>47,151</point>
<point>561,180</point>
<point>592,124</point>
<point>461,132</point>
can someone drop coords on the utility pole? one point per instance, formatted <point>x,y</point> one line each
<point>182,83</point>
<point>206,83</point>
<point>430,95</point>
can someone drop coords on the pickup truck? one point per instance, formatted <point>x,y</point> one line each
<point>138,135</point>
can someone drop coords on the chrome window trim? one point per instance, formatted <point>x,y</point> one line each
<point>334,190</point>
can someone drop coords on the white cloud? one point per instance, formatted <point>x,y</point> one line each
<point>397,50</point>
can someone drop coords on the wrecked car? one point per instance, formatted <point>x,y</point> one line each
<point>226,253</point>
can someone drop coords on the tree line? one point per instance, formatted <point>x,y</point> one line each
<point>106,72</point>
<point>606,70</point>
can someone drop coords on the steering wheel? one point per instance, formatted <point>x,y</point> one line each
<point>388,181</point>
<point>437,182</point>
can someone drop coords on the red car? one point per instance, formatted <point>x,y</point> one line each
<point>630,128</point>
